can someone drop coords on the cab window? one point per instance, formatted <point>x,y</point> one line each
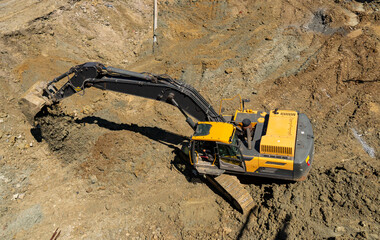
<point>200,145</point>
<point>230,154</point>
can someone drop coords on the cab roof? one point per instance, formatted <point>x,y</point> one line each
<point>214,131</point>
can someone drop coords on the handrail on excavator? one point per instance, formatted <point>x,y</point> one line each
<point>230,99</point>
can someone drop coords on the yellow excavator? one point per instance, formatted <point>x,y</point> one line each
<point>275,144</point>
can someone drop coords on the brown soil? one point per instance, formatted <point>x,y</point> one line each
<point>106,166</point>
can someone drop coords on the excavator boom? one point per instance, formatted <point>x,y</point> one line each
<point>157,87</point>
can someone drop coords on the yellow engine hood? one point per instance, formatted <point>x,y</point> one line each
<point>281,134</point>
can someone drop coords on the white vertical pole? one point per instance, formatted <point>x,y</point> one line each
<point>155,23</point>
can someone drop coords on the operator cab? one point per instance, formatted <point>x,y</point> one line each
<point>215,148</point>
<point>278,144</point>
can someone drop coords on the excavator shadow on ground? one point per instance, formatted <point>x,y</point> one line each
<point>157,134</point>
<point>174,141</point>
<point>180,162</point>
<point>167,138</point>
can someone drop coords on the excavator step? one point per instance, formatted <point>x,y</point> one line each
<point>233,190</point>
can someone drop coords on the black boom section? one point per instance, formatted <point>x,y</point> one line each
<point>156,87</point>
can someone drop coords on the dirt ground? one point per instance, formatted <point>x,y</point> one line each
<point>104,165</point>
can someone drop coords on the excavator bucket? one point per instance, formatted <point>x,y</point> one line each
<point>33,100</point>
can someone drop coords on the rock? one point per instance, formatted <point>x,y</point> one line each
<point>367,201</point>
<point>363,223</point>
<point>339,229</point>
<point>5,179</point>
<point>374,236</point>
<point>361,235</point>
<point>93,179</point>
<point>23,146</point>
<point>1,120</point>
<point>83,9</point>
<point>228,70</point>
<point>227,230</point>
<point>18,196</point>
<point>109,5</point>
<point>326,214</point>
<point>323,198</point>
<point>15,196</point>
<point>337,197</point>
<point>21,196</point>
<point>13,141</point>
<point>87,110</point>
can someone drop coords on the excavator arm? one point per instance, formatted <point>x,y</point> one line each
<point>157,87</point>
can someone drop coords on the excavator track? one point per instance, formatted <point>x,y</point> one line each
<point>227,185</point>
<point>233,190</point>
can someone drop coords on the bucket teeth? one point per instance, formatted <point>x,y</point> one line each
<point>32,101</point>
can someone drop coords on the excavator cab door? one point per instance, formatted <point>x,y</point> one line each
<point>230,158</point>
